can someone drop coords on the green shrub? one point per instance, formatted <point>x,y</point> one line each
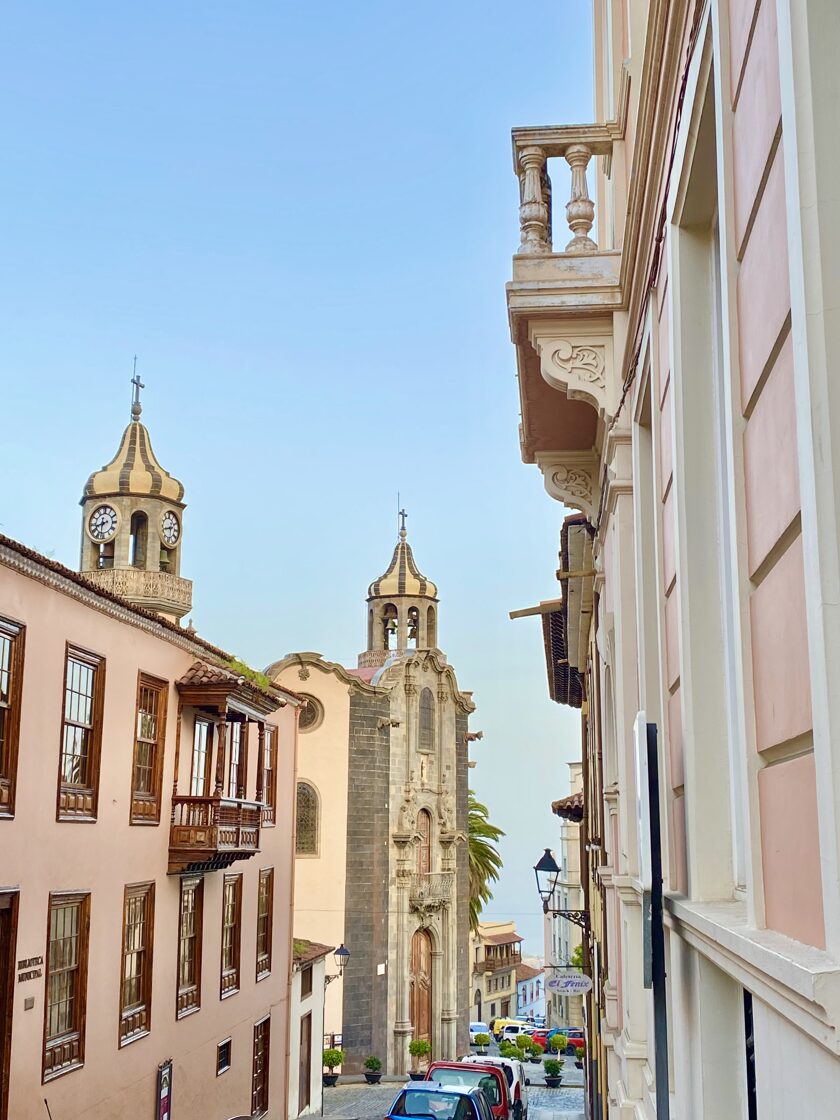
<point>579,1052</point>
<point>373,1064</point>
<point>557,1043</point>
<point>523,1041</point>
<point>507,1049</point>
<point>482,1040</point>
<point>536,1048</point>
<point>419,1047</point>
<point>552,1067</point>
<point>332,1058</point>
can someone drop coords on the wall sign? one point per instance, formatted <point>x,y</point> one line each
<point>574,985</point>
<point>164,1091</point>
<point>31,971</point>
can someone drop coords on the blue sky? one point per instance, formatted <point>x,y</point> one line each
<point>300,217</point>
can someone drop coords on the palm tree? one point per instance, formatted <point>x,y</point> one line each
<point>485,861</point>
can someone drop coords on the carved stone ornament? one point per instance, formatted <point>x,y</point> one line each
<point>585,362</point>
<point>576,359</point>
<point>408,811</point>
<point>571,478</point>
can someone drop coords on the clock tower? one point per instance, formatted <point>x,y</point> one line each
<point>132,512</point>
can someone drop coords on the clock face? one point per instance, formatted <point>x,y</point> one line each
<point>103,523</point>
<point>170,529</point>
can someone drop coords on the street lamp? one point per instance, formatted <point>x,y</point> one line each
<point>341,956</point>
<point>548,875</point>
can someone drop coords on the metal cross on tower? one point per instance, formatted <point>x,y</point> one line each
<point>136,407</point>
<point>402,515</point>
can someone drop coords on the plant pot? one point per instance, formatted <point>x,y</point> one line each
<point>417,1075</point>
<point>330,1079</point>
<point>373,1078</point>
<point>578,1064</point>
<point>536,1061</point>
<point>481,1050</point>
<point>553,1082</point>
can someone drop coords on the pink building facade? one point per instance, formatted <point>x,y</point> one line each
<point>678,368</point>
<point>147,786</point>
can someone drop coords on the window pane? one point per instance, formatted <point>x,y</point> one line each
<point>307,820</point>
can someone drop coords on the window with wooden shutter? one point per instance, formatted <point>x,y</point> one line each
<point>149,738</point>
<point>11,679</point>
<point>136,976</point>
<point>66,984</point>
<point>81,735</point>
<point>190,930</point>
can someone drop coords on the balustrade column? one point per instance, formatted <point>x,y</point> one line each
<point>221,732</point>
<point>534,217</point>
<point>580,209</point>
<point>260,759</point>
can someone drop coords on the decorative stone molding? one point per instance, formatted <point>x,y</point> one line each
<point>576,358</point>
<point>571,477</point>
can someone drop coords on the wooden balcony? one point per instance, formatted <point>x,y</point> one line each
<point>210,833</point>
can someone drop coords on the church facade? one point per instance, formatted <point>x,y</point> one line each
<point>381,841</point>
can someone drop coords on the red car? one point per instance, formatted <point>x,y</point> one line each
<point>490,1079</point>
<point>574,1035</point>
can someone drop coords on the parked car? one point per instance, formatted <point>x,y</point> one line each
<point>477,1028</point>
<point>477,1075</point>
<point>511,1030</point>
<point>514,1072</point>
<point>498,1025</point>
<point>428,1099</point>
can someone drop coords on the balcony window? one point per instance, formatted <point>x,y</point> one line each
<point>231,934</point>
<point>201,756</point>
<point>136,986</point>
<point>190,928</point>
<point>270,776</point>
<point>81,735</point>
<point>149,737</point>
<point>259,1077</point>
<point>265,907</point>
<point>235,760</point>
<point>11,678</point>
<point>66,984</point>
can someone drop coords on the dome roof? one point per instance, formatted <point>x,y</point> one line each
<point>403,577</point>
<point>134,470</point>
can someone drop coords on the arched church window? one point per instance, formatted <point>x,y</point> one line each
<point>138,537</point>
<point>389,626</point>
<point>306,820</point>
<point>431,629</point>
<point>427,721</point>
<point>424,846</point>
<point>413,627</point>
<point>311,713</point>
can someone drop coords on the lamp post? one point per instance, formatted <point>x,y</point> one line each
<point>341,956</point>
<point>547,874</point>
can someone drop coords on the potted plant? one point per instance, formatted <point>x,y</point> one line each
<point>332,1058</point>
<point>507,1049</point>
<point>418,1048</point>
<point>552,1073</point>
<point>558,1043</point>
<point>373,1070</point>
<point>523,1045</point>
<point>537,1049</point>
<point>579,1052</point>
<point>482,1041</point>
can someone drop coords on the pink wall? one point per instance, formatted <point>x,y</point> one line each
<point>41,855</point>
<point>790,850</point>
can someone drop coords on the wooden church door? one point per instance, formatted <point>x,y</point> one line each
<point>420,985</point>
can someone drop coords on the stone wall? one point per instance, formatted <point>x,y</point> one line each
<point>365,1022</point>
<point>462,885</point>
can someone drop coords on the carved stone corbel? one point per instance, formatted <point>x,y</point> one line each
<point>571,477</point>
<point>576,358</point>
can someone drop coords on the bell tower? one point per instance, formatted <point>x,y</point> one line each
<point>402,608</point>
<point>132,512</point>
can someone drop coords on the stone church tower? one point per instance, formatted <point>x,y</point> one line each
<point>132,513</point>
<point>381,826</point>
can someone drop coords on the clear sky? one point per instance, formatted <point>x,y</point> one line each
<point>300,216</point>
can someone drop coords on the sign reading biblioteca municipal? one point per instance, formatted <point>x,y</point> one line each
<point>570,985</point>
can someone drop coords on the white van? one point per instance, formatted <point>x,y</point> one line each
<point>477,1029</point>
<point>514,1072</point>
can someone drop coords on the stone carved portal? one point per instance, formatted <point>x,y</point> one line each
<point>420,985</point>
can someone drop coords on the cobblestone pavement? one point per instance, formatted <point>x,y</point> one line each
<point>371,1102</point>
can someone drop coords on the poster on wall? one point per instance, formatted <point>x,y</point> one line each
<point>164,1091</point>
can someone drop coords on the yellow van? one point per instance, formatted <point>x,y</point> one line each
<point>499,1025</point>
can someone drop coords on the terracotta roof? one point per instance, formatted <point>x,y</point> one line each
<point>304,952</point>
<point>186,636</point>
<point>569,808</point>
<point>502,938</point>
<point>526,972</point>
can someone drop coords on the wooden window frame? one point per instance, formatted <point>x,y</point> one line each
<point>15,632</point>
<point>306,981</point>
<point>220,1069</point>
<point>81,802</point>
<point>263,1025</point>
<point>208,756</point>
<point>145,805</point>
<point>69,1043</point>
<point>264,959</point>
<point>230,979</point>
<point>135,1020</point>
<point>269,813</point>
<point>188,997</point>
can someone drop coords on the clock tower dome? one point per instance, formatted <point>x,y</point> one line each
<point>132,512</point>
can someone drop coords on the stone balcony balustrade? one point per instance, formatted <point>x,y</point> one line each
<point>158,591</point>
<point>430,890</point>
<point>376,658</point>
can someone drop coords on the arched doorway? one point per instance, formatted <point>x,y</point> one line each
<point>420,985</point>
<point>477,1002</point>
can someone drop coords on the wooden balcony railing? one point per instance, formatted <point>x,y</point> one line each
<point>209,833</point>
